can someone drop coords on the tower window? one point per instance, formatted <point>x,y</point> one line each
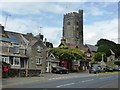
<point>77,29</point>
<point>77,23</point>
<point>68,23</point>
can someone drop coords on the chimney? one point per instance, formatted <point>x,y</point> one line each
<point>1,29</point>
<point>41,36</point>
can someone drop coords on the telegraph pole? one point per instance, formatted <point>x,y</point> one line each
<point>6,19</point>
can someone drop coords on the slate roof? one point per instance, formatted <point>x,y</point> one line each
<point>92,47</point>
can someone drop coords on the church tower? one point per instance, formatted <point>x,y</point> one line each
<point>73,29</point>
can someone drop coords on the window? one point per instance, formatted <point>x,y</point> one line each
<point>16,48</point>
<point>38,61</point>
<point>39,48</point>
<point>77,23</point>
<point>16,61</point>
<point>5,59</point>
<point>68,23</point>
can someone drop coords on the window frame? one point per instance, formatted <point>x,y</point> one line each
<point>14,63</point>
<point>5,59</point>
<point>16,51</point>
<point>38,60</point>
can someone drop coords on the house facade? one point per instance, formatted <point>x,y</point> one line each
<point>12,51</point>
<point>52,61</point>
<point>21,52</point>
<point>37,53</point>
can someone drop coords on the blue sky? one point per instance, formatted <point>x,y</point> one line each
<point>100,19</point>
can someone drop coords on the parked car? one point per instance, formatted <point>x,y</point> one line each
<point>95,69</point>
<point>108,68</point>
<point>116,68</point>
<point>60,70</point>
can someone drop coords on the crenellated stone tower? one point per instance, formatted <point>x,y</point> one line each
<point>73,29</point>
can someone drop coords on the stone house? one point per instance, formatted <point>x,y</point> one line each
<point>12,50</point>
<point>24,52</point>
<point>89,51</point>
<point>37,53</point>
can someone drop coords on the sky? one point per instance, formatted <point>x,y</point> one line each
<point>100,19</point>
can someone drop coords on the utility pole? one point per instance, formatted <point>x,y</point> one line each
<point>6,19</point>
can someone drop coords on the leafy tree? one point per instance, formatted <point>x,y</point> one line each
<point>118,50</point>
<point>67,53</point>
<point>117,63</point>
<point>104,48</point>
<point>98,57</point>
<point>107,45</point>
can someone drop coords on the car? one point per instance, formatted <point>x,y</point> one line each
<point>108,68</point>
<point>95,69</point>
<point>60,70</point>
<point>117,68</point>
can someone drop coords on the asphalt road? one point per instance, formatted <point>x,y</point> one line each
<point>89,81</point>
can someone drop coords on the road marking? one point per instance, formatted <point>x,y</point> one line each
<point>65,85</point>
<point>88,80</point>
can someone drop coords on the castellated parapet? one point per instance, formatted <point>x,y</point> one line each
<point>73,28</point>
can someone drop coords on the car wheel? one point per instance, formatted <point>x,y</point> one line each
<point>94,72</point>
<point>67,72</point>
<point>60,72</point>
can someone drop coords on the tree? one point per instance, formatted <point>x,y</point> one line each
<point>99,55</point>
<point>67,53</point>
<point>105,45</point>
<point>104,48</point>
<point>117,63</point>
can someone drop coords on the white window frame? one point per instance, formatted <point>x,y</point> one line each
<point>5,59</point>
<point>17,47</point>
<point>14,63</point>
<point>38,61</point>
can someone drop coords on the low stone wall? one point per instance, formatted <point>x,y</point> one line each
<point>22,72</point>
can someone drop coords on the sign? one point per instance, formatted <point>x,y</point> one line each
<point>5,69</point>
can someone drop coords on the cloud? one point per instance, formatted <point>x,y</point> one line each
<point>53,34</point>
<point>32,8</point>
<point>103,29</point>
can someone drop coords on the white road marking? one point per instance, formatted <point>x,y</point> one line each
<point>65,85</point>
<point>88,80</point>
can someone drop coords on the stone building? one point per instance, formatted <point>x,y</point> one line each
<point>73,29</point>
<point>25,53</point>
<point>13,50</point>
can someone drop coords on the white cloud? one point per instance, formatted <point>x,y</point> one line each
<point>53,34</point>
<point>103,29</point>
<point>96,11</point>
<point>27,8</point>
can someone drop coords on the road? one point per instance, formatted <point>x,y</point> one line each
<point>73,81</point>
